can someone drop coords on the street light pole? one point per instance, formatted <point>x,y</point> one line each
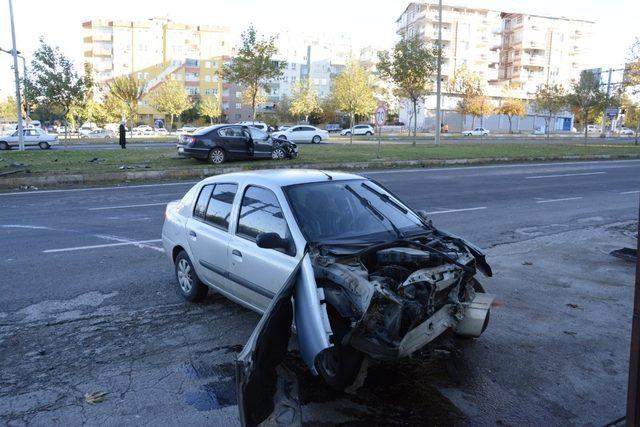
<point>14,52</point>
<point>439,77</point>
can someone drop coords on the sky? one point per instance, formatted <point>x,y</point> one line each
<point>367,22</point>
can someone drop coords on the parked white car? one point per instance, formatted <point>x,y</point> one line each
<point>359,130</point>
<point>142,130</point>
<point>186,129</point>
<point>99,133</point>
<point>160,131</point>
<point>32,137</point>
<point>594,129</point>
<point>337,254</point>
<point>476,132</point>
<point>302,133</point>
<point>625,131</point>
<point>258,125</point>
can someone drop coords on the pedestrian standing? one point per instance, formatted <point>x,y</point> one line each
<point>122,133</point>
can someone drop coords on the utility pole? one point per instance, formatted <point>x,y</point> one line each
<point>24,76</point>
<point>14,52</point>
<point>439,77</point>
<point>604,114</point>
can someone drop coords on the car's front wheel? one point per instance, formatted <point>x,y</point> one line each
<point>4,145</point>
<point>369,133</point>
<point>282,137</point>
<point>316,139</point>
<point>217,156</point>
<point>278,154</point>
<point>44,145</point>
<point>191,288</point>
<point>347,134</point>
<point>485,134</point>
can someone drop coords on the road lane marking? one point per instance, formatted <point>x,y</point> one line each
<point>127,206</point>
<point>559,200</point>
<point>564,174</point>
<point>107,245</point>
<point>631,192</point>
<point>457,210</point>
<point>30,227</point>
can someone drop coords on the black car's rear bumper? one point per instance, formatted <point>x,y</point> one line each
<point>198,153</point>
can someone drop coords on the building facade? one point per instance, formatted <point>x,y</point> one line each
<point>159,49</point>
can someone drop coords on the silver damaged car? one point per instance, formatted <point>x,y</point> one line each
<point>335,257</point>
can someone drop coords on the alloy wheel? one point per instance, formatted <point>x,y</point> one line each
<point>184,276</point>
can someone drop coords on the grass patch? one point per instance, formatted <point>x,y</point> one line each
<point>59,161</point>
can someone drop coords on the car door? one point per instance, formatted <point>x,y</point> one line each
<point>208,233</point>
<point>31,137</point>
<point>262,144</point>
<point>258,273</point>
<point>234,140</point>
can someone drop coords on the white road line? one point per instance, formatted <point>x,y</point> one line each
<point>631,192</point>
<point>107,245</point>
<point>121,187</point>
<point>126,206</point>
<point>558,200</point>
<point>564,174</point>
<point>457,210</point>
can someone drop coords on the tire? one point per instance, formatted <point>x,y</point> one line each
<point>368,133</point>
<point>44,145</point>
<point>189,285</point>
<point>485,134</point>
<point>4,146</point>
<point>217,156</point>
<point>339,365</point>
<point>316,139</point>
<point>282,137</point>
<point>347,134</point>
<point>278,154</point>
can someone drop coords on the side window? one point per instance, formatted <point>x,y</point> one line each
<point>260,213</point>
<point>296,129</point>
<point>201,204</point>
<point>233,132</point>
<point>219,208</point>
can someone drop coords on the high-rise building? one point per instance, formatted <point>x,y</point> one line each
<point>159,49</point>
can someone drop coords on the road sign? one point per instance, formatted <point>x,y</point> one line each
<point>612,111</point>
<point>381,115</point>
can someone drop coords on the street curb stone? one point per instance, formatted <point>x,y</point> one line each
<point>201,172</point>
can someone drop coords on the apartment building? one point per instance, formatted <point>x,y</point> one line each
<point>471,37</point>
<point>542,49</point>
<point>159,49</point>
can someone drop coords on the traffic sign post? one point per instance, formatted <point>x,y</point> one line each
<point>381,118</point>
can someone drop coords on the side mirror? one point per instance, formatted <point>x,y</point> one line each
<point>272,241</point>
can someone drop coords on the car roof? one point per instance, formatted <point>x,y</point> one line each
<point>283,177</point>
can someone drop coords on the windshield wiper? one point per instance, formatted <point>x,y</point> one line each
<point>385,198</point>
<point>367,204</point>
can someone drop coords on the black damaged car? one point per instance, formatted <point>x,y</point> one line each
<point>219,143</point>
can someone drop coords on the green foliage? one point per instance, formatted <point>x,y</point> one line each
<point>8,109</point>
<point>53,80</point>
<point>512,107</point>
<point>127,91</point>
<point>549,100</point>
<point>305,100</point>
<point>253,65</point>
<point>209,107</point>
<point>632,71</point>
<point>171,99</point>
<point>586,97</point>
<point>353,92</point>
<point>410,66</point>
<point>466,85</point>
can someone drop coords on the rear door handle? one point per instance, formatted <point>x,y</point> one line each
<point>192,233</point>
<point>236,253</point>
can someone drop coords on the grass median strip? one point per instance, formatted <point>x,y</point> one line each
<point>59,161</point>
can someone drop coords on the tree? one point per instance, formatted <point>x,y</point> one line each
<point>512,107</point>
<point>587,97</point>
<point>479,106</point>
<point>550,99</point>
<point>353,93</point>
<point>305,100</point>
<point>632,69</point>
<point>53,80</point>
<point>210,107</point>
<point>128,91</point>
<point>254,66</point>
<point>410,67</point>
<point>171,99</point>
<point>466,85</point>
<point>8,109</point>
<point>632,118</point>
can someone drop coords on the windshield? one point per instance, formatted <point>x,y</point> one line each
<point>332,211</point>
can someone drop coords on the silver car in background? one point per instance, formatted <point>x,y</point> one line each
<point>357,271</point>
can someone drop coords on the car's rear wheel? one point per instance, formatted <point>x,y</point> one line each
<point>4,145</point>
<point>316,139</point>
<point>217,156</point>
<point>44,145</point>
<point>369,133</point>
<point>278,154</point>
<point>485,134</point>
<point>191,288</point>
<point>347,133</point>
<point>282,137</point>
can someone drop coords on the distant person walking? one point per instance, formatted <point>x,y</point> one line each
<point>122,133</point>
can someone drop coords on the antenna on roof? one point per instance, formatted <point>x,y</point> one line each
<point>328,176</point>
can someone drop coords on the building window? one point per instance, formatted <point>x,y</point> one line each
<point>225,106</point>
<point>139,76</point>
<point>215,92</point>
<point>207,91</point>
<point>238,106</point>
<point>238,94</point>
<point>146,76</point>
<point>215,78</point>
<point>207,64</point>
<point>207,78</point>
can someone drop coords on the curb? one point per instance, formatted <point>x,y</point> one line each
<point>178,174</point>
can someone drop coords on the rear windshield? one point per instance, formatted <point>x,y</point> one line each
<point>204,131</point>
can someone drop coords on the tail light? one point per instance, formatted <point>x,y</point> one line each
<point>188,139</point>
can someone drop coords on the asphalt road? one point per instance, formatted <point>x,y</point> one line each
<point>90,304</point>
<point>60,243</point>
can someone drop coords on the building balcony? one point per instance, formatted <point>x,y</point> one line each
<point>101,52</point>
